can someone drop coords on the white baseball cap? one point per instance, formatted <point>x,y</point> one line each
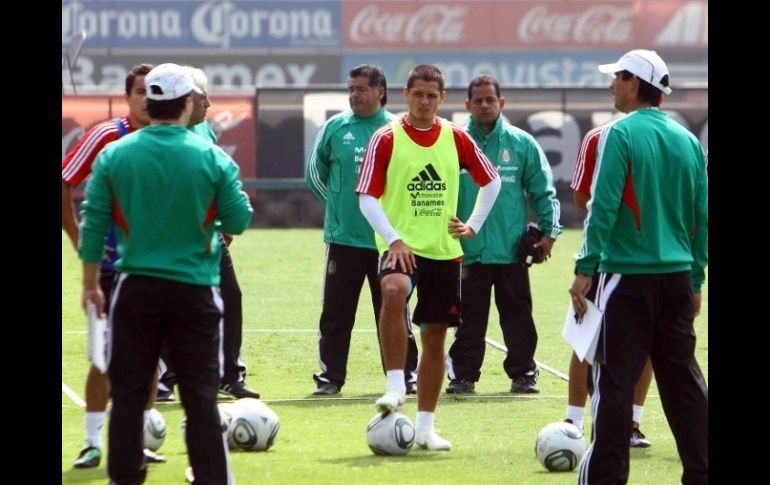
<point>169,81</point>
<point>644,64</point>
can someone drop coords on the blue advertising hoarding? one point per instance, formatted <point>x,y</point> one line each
<point>203,24</point>
<point>523,69</point>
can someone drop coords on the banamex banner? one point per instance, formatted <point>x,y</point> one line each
<point>243,72</point>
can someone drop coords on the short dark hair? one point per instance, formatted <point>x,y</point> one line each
<point>169,109</point>
<point>647,93</point>
<point>483,80</point>
<point>376,78</point>
<point>138,70</point>
<point>428,73</point>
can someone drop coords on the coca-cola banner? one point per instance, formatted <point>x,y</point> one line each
<point>203,23</point>
<point>460,24</point>
<point>231,117</point>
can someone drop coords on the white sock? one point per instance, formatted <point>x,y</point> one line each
<point>396,381</point>
<point>638,410</point>
<point>94,423</point>
<point>575,413</point>
<point>424,422</point>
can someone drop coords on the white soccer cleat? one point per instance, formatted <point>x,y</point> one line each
<point>391,401</point>
<point>430,440</point>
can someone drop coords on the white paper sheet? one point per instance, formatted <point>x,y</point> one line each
<point>583,334</point>
<point>97,339</point>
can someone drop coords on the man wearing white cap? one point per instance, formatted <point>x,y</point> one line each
<point>164,187</point>
<point>647,228</point>
<point>234,369</point>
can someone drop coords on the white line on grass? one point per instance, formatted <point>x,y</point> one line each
<point>71,394</point>
<point>261,330</point>
<point>464,397</point>
<point>553,371</point>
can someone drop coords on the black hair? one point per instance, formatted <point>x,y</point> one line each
<point>427,73</point>
<point>167,109</point>
<point>483,80</point>
<point>376,78</point>
<point>647,93</point>
<point>138,70</point>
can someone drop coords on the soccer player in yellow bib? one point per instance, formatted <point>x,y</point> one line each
<point>408,190</point>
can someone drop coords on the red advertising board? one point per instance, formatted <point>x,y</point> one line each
<point>674,23</point>
<point>231,117</point>
<point>529,24</point>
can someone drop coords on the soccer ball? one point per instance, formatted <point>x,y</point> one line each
<point>559,447</point>
<point>226,412</point>
<point>390,433</point>
<point>254,426</point>
<point>224,418</point>
<point>154,430</point>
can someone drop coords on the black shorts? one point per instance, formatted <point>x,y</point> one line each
<point>438,289</point>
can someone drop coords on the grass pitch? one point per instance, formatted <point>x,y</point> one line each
<point>322,440</point>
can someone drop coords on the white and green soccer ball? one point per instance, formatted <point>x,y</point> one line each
<point>560,446</point>
<point>224,418</point>
<point>390,433</point>
<point>154,430</point>
<point>253,426</point>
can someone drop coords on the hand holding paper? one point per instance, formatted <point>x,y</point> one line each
<point>582,333</point>
<point>97,338</point>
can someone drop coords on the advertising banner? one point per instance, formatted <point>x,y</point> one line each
<point>231,117</point>
<point>239,72</point>
<point>522,25</point>
<point>509,68</point>
<point>209,24</point>
<point>288,120</point>
<point>670,24</point>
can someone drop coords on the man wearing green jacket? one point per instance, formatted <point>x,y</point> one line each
<point>491,258</point>
<point>351,254</point>
<point>647,228</point>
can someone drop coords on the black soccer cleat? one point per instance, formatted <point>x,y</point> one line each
<point>461,386</point>
<point>238,390</point>
<point>526,384</point>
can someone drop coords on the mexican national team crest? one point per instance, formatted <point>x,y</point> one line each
<point>427,192</point>
<point>505,166</point>
<point>505,156</point>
